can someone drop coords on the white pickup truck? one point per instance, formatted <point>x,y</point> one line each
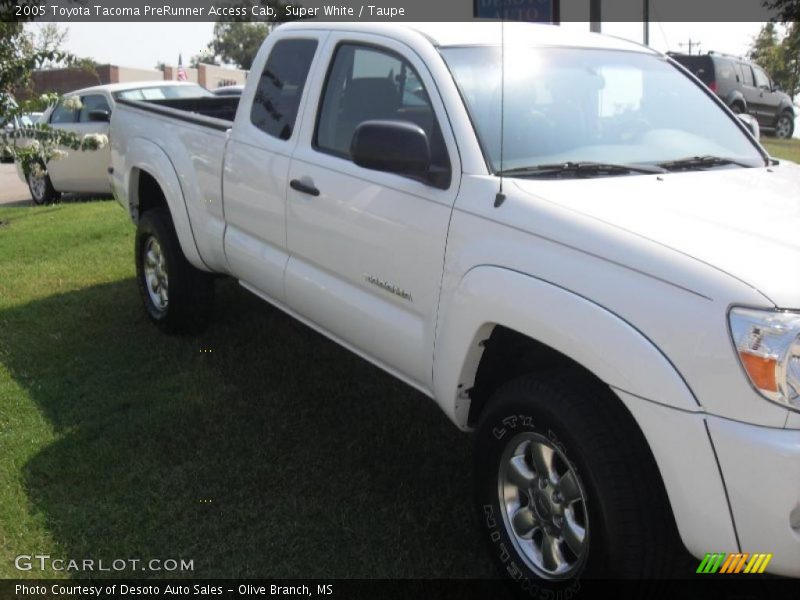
<point>605,288</point>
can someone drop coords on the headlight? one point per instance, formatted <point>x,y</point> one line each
<point>768,345</point>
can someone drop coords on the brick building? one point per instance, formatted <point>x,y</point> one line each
<point>67,80</point>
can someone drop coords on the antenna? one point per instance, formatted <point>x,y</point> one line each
<point>501,197</point>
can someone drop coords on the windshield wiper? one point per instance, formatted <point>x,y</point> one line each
<point>580,169</point>
<point>701,162</point>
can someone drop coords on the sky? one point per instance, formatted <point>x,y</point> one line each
<point>145,44</point>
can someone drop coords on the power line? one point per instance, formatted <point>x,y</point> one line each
<point>691,44</point>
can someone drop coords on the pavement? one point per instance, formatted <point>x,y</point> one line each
<point>12,191</point>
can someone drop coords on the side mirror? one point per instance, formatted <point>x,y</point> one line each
<point>99,116</point>
<point>751,123</point>
<point>399,147</point>
<point>776,87</point>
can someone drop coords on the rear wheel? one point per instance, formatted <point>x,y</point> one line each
<point>566,486</point>
<point>177,297</point>
<point>784,126</point>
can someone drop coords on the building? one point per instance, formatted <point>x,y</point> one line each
<point>66,80</point>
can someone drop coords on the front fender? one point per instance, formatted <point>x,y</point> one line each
<point>591,335</point>
<point>655,393</point>
<point>144,155</point>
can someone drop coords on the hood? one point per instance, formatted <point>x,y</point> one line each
<point>742,221</point>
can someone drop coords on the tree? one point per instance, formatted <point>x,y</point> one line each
<point>21,52</point>
<point>49,37</point>
<point>788,10</point>
<point>206,57</point>
<point>238,42</point>
<point>779,54</point>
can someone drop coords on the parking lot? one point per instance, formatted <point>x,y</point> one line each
<point>12,191</point>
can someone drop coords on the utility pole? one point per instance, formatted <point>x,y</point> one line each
<point>691,44</point>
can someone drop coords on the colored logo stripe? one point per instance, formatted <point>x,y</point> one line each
<point>734,563</point>
<point>711,563</point>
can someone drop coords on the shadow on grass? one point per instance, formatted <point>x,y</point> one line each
<point>258,449</point>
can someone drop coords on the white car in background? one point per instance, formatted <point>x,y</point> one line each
<point>87,172</point>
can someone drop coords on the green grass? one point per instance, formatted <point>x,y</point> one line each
<point>788,149</point>
<point>258,449</point>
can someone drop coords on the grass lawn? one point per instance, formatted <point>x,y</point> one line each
<point>258,449</point>
<point>788,149</point>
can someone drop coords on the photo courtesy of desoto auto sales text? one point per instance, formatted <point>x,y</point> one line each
<point>462,299</point>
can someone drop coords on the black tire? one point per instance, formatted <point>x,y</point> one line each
<point>629,528</point>
<point>41,188</point>
<point>784,125</point>
<point>737,108</point>
<point>189,292</point>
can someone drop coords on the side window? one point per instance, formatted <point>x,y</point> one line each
<point>725,70</point>
<point>366,83</point>
<point>90,103</point>
<point>281,86</point>
<point>747,75</point>
<point>63,115</point>
<point>739,74</point>
<point>762,81</point>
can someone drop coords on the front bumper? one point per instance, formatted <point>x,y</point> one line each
<point>761,468</point>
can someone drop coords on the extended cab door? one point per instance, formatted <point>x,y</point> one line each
<point>367,247</point>
<point>257,161</point>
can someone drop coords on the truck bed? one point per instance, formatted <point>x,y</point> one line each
<point>216,112</point>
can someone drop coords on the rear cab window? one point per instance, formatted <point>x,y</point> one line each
<point>280,87</point>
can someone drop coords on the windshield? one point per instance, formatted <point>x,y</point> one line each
<point>588,105</point>
<point>161,92</point>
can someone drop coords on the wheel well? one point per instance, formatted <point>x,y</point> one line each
<point>147,194</point>
<point>739,102</point>
<point>508,354</point>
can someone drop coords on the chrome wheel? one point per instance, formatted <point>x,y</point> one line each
<point>155,274</point>
<point>783,129</point>
<point>544,506</point>
<point>38,187</point>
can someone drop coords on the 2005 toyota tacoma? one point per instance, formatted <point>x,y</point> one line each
<point>566,240</point>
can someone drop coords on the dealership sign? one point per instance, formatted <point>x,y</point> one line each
<point>536,11</point>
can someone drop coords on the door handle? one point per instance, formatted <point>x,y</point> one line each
<point>305,188</point>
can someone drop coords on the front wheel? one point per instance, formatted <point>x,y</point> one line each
<point>41,188</point>
<point>784,127</point>
<point>177,297</point>
<point>566,486</point>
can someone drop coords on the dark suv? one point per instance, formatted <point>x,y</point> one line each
<point>745,88</point>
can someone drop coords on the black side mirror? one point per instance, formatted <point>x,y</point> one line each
<point>399,147</point>
<point>100,116</point>
<point>776,87</point>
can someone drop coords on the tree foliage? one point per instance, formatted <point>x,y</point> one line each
<point>22,50</point>
<point>238,42</point>
<point>779,54</point>
<point>788,11</point>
